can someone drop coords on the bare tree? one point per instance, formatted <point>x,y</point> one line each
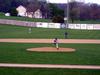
<point>32,7</point>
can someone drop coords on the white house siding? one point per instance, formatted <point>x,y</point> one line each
<point>21,10</point>
<point>29,14</point>
<point>38,14</point>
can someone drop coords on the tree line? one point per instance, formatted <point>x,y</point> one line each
<point>48,10</point>
<point>77,10</point>
<point>82,11</point>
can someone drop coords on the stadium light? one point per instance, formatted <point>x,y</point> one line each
<point>67,13</point>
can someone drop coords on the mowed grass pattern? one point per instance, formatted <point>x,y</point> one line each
<point>27,71</point>
<point>8,31</point>
<point>86,54</point>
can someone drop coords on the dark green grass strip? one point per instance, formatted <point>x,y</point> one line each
<point>86,54</point>
<point>27,71</point>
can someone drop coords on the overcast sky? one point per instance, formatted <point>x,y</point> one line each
<point>65,1</point>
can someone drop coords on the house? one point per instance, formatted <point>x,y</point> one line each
<point>38,14</point>
<point>29,11</point>
<point>21,10</point>
<point>33,10</point>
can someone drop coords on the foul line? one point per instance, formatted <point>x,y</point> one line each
<point>49,66</point>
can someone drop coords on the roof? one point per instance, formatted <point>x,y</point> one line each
<point>32,7</point>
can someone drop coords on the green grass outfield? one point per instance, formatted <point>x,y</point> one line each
<point>8,31</point>
<point>86,54</point>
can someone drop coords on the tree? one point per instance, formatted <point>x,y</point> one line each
<point>90,12</point>
<point>44,10</point>
<point>5,5</point>
<point>85,14</point>
<point>74,10</point>
<point>58,19</point>
<point>55,11</point>
<point>32,6</point>
<point>13,12</point>
<point>95,14</point>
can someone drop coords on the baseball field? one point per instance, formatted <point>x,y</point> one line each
<point>12,52</point>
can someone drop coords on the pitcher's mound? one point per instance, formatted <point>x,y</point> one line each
<point>51,49</point>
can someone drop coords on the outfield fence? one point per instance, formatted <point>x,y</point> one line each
<point>51,25</point>
<point>18,23</point>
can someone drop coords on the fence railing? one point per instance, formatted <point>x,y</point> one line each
<point>51,25</point>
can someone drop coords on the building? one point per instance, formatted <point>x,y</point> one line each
<point>21,10</point>
<point>29,11</point>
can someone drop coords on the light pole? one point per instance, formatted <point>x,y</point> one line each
<point>48,13</point>
<point>67,19</point>
<point>67,13</point>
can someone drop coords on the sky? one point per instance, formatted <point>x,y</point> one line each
<point>65,1</point>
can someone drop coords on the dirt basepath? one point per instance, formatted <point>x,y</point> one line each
<point>51,40</point>
<point>49,66</point>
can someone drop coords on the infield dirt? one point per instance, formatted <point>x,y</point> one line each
<point>51,49</point>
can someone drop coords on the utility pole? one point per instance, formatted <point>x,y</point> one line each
<point>47,12</point>
<point>67,13</point>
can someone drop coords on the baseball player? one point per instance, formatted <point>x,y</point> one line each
<point>56,43</point>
